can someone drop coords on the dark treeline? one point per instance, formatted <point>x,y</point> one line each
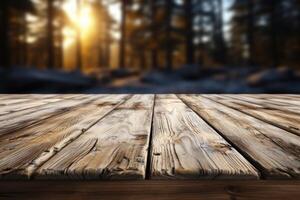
<point>154,34</point>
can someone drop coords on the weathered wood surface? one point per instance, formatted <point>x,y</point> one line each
<point>287,120</point>
<point>284,106</point>
<point>114,148</point>
<point>277,98</point>
<point>149,136</point>
<point>184,146</point>
<point>17,120</point>
<point>6,108</point>
<point>21,152</point>
<point>275,151</point>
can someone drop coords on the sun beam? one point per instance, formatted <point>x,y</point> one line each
<point>84,21</point>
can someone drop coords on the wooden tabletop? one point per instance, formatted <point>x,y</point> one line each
<point>136,137</point>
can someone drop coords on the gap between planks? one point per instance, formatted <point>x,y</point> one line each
<point>272,150</point>
<point>64,143</point>
<point>286,120</point>
<point>58,127</point>
<point>114,148</point>
<point>186,147</point>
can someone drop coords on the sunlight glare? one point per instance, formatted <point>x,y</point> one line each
<point>86,18</point>
<point>84,22</point>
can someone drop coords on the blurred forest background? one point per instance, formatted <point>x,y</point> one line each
<point>150,46</point>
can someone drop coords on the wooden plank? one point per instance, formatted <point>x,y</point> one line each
<point>277,98</point>
<point>149,190</point>
<point>26,96</point>
<point>35,103</point>
<point>31,147</point>
<point>275,151</point>
<point>21,119</point>
<point>7,109</point>
<point>288,121</point>
<point>268,104</point>
<point>114,148</point>
<point>184,146</point>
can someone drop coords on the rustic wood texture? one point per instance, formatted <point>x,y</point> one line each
<point>17,120</point>
<point>78,136</point>
<point>114,148</point>
<point>184,146</point>
<point>276,151</point>
<point>23,151</point>
<point>289,121</point>
<point>267,103</point>
<point>6,108</point>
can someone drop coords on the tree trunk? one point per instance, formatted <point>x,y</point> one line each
<point>168,42</point>
<point>107,41</point>
<point>78,42</point>
<point>50,31</point>
<point>154,55</point>
<point>122,52</point>
<point>274,35</point>
<point>250,32</point>
<point>107,45</point>
<point>190,52</point>
<point>201,42</point>
<point>25,44</point>
<point>222,43</point>
<point>61,47</point>
<point>61,40</point>
<point>4,37</point>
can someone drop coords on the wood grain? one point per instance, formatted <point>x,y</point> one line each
<point>33,103</point>
<point>114,148</point>
<point>288,121</point>
<point>278,98</point>
<point>14,121</point>
<point>184,146</point>
<point>22,154</point>
<point>286,107</point>
<point>26,96</point>
<point>275,151</point>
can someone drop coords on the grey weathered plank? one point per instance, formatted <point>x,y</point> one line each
<point>35,103</point>
<point>8,109</point>
<point>27,97</point>
<point>284,106</point>
<point>287,120</point>
<point>31,147</point>
<point>17,120</point>
<point>277,98</point>
<point>114,148</point>
<point>276,151</point>
<point>185,146</point>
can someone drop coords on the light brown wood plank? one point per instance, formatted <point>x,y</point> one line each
<point>289,121</point>
<point>33,146</point>
<point>114,148</point>
<point>277,98</point>
<point>275,150</point>
<point>267,103</point>
<point>26,96</point>
<point>35,103</point>
<point>184,146</point>
<point>17,120</point>
<point>7,109</point>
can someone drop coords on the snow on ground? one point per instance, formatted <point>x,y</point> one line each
<point>186,80</point>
